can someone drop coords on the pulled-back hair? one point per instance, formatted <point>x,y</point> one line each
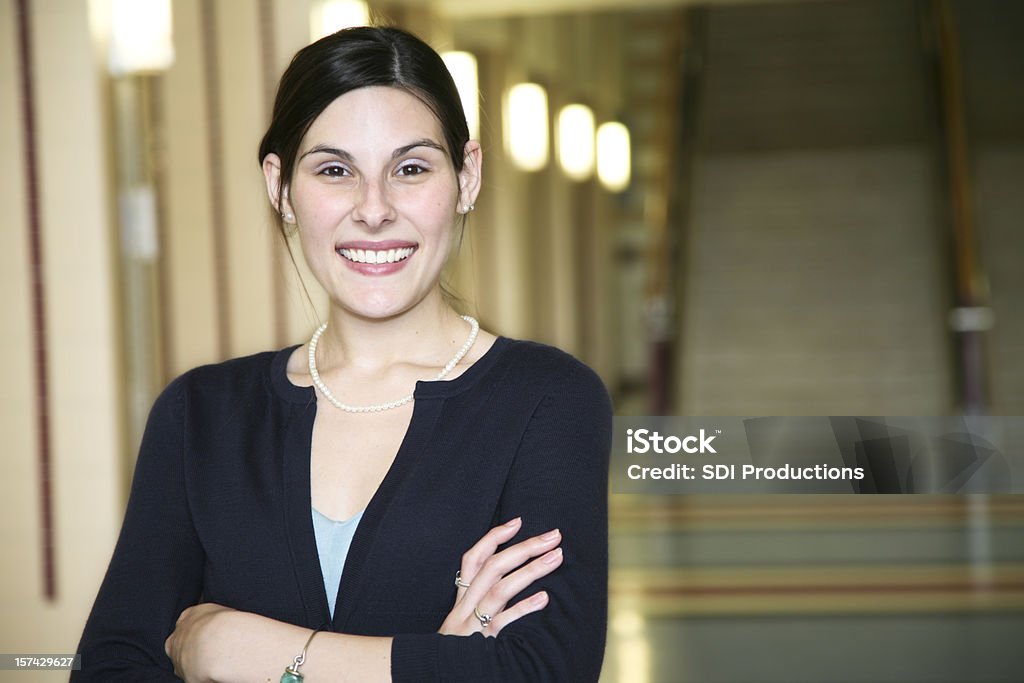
<point>357,58</point>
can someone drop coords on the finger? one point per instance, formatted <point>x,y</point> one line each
<point>184,613</point>
<point>499,564</point>
<point>518,581</point>
<point>480,595</point>
<point>474,558</point>
<point>534,603</point>
<point>169,646</point>
<point>462,620</point>
<point>461,586</point>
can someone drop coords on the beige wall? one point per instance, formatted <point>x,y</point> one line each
<point>872,254</point>
<point>213,184</point>
<point>79,321</point>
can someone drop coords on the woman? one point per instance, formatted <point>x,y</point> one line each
<point>325,508</point>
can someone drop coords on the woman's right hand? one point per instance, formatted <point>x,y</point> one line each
<point>495,577</point>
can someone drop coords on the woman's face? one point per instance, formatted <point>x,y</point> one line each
<point>376,199</point>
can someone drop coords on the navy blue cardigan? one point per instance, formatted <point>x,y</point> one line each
<point>220,512</point>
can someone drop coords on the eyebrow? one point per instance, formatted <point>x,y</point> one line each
<point>346,156</point>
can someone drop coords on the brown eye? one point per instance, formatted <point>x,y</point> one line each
<point>334,172</point>
<point>411,170</point>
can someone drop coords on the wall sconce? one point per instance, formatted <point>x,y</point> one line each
<point>526,126</point>
<point>576,141</point>
<point>329,16</point>
<point>613,156</point>
<point>140,37</point>
<point>462,66</point>
<point>140,49</point>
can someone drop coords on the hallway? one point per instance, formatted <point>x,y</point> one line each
<point>816,211</point>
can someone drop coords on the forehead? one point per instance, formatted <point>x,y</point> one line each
<point>374,116</point>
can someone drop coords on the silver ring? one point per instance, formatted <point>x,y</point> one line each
<point>458,580</point>
<point>485,619</point>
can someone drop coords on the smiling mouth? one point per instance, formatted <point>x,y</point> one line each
<point>380,256</point>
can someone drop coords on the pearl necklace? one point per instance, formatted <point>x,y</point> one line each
<point>378,407</point>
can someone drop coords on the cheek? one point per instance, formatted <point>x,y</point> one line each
<point>431,218</point>
<point>316,202</point>
<point>435,208</point>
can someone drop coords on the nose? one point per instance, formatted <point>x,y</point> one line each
<point>373,206</point>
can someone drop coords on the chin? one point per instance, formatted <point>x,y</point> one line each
<point>382,303</point>
<point>381,310</point>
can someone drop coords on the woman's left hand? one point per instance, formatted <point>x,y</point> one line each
<point>490,578</point>
<point>193,641</point>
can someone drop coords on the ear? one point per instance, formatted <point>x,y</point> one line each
<point>277,192</point>
<point>470,176</point>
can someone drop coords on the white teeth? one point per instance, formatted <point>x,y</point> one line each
<point>375,257</point>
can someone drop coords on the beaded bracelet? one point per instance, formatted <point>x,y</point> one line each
<point>291,673</point>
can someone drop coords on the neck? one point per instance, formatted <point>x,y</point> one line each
<point>426,335</point>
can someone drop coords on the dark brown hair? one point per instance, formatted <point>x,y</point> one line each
<point>357,58</point>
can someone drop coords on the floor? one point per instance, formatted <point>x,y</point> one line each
<point>758,589</point>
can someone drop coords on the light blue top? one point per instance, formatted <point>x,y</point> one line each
<point>333,539</point>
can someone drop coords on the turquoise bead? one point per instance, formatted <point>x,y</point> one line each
<point>291,676</point>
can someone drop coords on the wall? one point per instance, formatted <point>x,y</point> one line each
<point>77,330</point>
<point>816,280</point>
<point>993,63</point>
